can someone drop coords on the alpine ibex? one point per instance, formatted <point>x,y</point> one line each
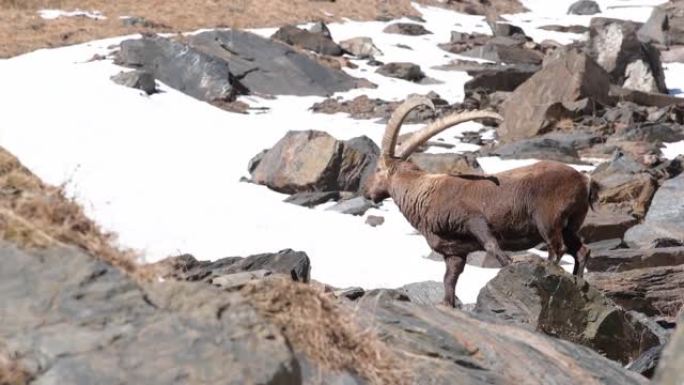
<point>458,214</point>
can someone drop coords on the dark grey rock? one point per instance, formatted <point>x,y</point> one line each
<point>141,80</point>
<point>505,79</point>
<point>374,220</point>
<point>647,362</point>
<point>319,42</point>
<point>312,199</point>
<point>176,65</point>
<point>508,30</point>
<point>584,7</point>
<point>542,296</point>
<point>665,217</point>
<point>537,148</point>
<point>254,162</point>
<point>217,65</point>
<point>565,28</point>
<point>294,264</point>
<point>410,29</point>
<point>314,161</point>
<point>351,293</point>
<point>354,206</point>
<point>405,71</point>
<point>236,281</point>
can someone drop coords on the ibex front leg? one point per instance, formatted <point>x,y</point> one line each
<point>479,229</point>
<point>454,268</point>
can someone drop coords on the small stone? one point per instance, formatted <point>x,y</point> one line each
<point>141,80</point>
<point>374,220</point>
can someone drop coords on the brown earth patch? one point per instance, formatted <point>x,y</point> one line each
<point>23,30</point>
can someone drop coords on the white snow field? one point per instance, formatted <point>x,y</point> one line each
<point>163,171</point>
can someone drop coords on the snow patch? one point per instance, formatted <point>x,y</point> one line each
<point>52,14</point>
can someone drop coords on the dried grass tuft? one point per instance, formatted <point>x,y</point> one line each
<point>315,324</point>
<point>34,215</point>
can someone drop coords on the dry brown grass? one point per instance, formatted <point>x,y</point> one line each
<point>34,215</point>
<point>23,30</point>
<point>316,325</point>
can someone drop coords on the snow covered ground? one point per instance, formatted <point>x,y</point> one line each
<point>162,171</point>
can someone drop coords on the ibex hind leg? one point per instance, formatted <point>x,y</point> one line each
<point>552,234</point>
<point>577,249</point>
<point>479,228</point>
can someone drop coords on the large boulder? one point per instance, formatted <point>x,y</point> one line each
<point>669,370</point>
<point>632,64</point>
<point>208,65</point>
<point>448,346</point>
<point>542,296</point>
<point>666,24</point>
<point>654,291</point>
<point>191,71</point>
<point>665,218</point>
<point>74,320</point>
<point>571,77</point>
<point>306,161</point>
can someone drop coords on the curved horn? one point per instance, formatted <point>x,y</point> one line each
<point>389,141</point>
<point>440,125</point>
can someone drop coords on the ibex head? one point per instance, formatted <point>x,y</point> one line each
<point>377,185</point>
